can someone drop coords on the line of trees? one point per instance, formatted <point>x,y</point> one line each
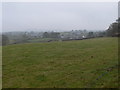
<point>51,35</point>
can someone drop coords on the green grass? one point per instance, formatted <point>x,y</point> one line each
<point>68,64</point>
<point>0,67</point>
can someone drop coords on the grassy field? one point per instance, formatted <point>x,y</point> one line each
<point>68,64</point>
<point>0,67</point>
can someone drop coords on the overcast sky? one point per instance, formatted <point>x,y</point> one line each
<point>61,16</point>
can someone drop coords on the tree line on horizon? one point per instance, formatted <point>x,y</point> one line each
<point>25,37</point>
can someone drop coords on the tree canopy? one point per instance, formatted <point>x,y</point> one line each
<point>114,29</point>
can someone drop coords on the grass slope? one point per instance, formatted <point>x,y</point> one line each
<point>0,67</point>
<point>69,64</point>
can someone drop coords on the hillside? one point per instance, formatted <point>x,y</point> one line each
<point>67,64</point>
<point>0,67</point>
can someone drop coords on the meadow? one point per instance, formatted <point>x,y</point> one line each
<point>0,67</point>
<point>90,63</point>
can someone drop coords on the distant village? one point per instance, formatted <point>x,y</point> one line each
<point>36,37</point>
<point>30,37</point>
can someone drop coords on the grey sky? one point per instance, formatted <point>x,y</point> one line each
<point>30,16</point>
<point>0,11</point>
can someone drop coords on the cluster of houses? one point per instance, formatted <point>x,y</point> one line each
<point>23,37</point>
